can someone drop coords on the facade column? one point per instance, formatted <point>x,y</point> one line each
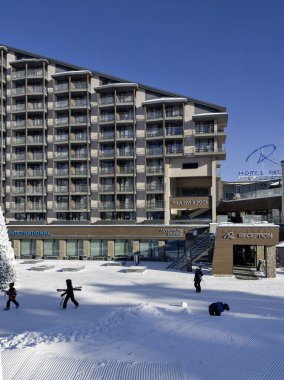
<point>39,249</point>
<point>62,249</point>
<point>110,253</point>
<point>270,261</point>
<point>214,192</point>
<point>17,248</point>
<point>86,248</point>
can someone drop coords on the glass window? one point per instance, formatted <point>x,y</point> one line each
<point>123,247</point>
<point>28,247</point>
<point>51,248</point>
<point>98,248</point>
<point>149,249</point>
<point>74,247</point>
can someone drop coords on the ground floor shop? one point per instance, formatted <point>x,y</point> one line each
<point>99,242</point>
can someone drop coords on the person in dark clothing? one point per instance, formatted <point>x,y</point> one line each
<point>197,279</point>
<point>11,293</point>
<point>217,308</point>
<point>69,292</point>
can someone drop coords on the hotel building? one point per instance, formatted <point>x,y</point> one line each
<point>94,166</point>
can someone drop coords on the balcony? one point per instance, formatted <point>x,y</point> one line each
<point>155,187</point>
<point>18,206</point>
<point>61,172</point>
<point>174,150</point>
<point>35,156</point>
<point>126,189</point>
<point>79,188</point>
<point>154,151</point>
<point>79,103</point>
<point>61,138</point>
<point>106,153</point>
<point>18,190</point>
<point>155,205</point>
<point>107,118</point>
<point>35,73</point>
<point>153,115</point>
<point>34,190</point>
<point>18,107</point>
<point>78,137</point>
<point>61,87</point>
<point>106,206</point>
<point>36,139</point>
<point>79,206</point>
<point>61,206</point>
<point>106,100</point>
<point>62,121</point>
<point>18,140</point>
<point>125,170</point>
<point>18,173</point>
<point>124,98</point>
<point>79,120</point>
<point>61,189</point>
<point>78,86</point>
<point>79,154</point>
<point>35,206</point>
<point>153,133</point>
<point>61,155</point>
<point>177,131</point>
<point>18,90</point>
<point>78,171</point>
<point>20,74</point>
<point>125,153</point>
<point>61,104</point>
<point>19,123</point>
<point>107,136</point>
<point>107,188</point>
<point>125,206</point>
<point>18,156</point>
<point>125,135</point>
<point>125,116</point>
<point>106,171</point>
<point>155,170</point>
<point>35,173</point>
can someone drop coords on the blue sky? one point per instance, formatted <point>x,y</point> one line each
<point>227,52</point>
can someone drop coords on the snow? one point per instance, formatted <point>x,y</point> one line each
<point>73,72</point>
<point>116,84</point>
<point>149,325</point>
<point>164,100</point>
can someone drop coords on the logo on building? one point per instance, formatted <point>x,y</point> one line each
<point>229,235</point>
<point>263,165</point>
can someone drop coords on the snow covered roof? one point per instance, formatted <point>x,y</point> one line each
<point>113,85</point>
<point>211,115</point>
<point>3,48</point>
<point>72,72</point>
<point>164,100</point>
<point>252,224</point>
<point>29,60</point>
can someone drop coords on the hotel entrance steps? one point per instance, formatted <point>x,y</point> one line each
<point>195,253</point>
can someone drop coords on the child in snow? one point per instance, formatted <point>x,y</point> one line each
<point>197,279</point>
<point>217,308</point>
<point>69,292</point>
<point>11,293</point>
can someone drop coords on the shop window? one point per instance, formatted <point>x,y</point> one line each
<point>98,248</point>
<point>51,248</point>
<point>74,248</point>
<point>149,249</point>
<point>123,248</point>
<point>28,248</point>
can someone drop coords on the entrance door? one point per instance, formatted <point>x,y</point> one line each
<point>244,255</point>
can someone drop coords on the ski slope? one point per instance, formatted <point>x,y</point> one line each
<point>149,325</point>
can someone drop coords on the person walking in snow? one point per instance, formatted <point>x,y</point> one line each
<point>217,308</point>
<point>11,293</point>
<point>69,293</point>
<point>197,279</point>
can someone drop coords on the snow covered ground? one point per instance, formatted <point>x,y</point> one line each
<point>133,326</point>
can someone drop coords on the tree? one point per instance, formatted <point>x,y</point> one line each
<point>7,257</point>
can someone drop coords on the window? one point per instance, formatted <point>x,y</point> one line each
<point>123,248</point>
<point>51,248</point>
<point>74,248</point>
<point>190,165</point>
<point>98,248</point>
<point>28,248</point>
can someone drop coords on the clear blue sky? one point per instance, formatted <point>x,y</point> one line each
<point>227,52</point>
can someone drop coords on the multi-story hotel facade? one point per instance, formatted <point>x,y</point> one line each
<point>95,166</point>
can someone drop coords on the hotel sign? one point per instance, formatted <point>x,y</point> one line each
<point>248,235</point>
<point>172,232</point>
<point>190,203</point>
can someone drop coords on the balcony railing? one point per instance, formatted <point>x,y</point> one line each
<point>79,85</point>
<point>200,129</point>
<point>155,187</point>
<point>34,190</point>
<point>107,188</point>
<point>18,140</point>
<point>126,188</point>
<point>64,155</point>
<point>125,153</point>
<point>18,206</point>
<point>107,100</point>
<point>174,150</point>
<point>61,189</point>
<point>155,205</point>
<point>61,87</point>
<point>154,151</point>
<point>106,153</point>
<point>19,107</point>
<point>107,135</point>
<point>154,133</point>
<point>61,206</point>
<point>78,137</point>
<point>174,131</point>
<point>125,205</point>
<point>18,74</point>
<point>19,123</point>
<point>61,137</point>
<point>35,139</point>
<point>61,104</point>
<point>78,171</point>
<point>154,169</point>
<point>19,157</point>
<point>35,173</point>
<point>106,117</point>
<point>125,116</point>
<point>61,121</point>
<point>78,206</point>
<point>155,115</point>
<point>106,170</point>
<point>61,172</point>
<point>18,190</point>
<point>79,189</point>
<point>18,173</point>
<point>126,135</point>
<point>107,205</point>
<point>125,170</point>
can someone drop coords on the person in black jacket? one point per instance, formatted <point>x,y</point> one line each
<point>217,308</point>
<point>197,279</point>
<point>69,292</point>
<point>11,293</point>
